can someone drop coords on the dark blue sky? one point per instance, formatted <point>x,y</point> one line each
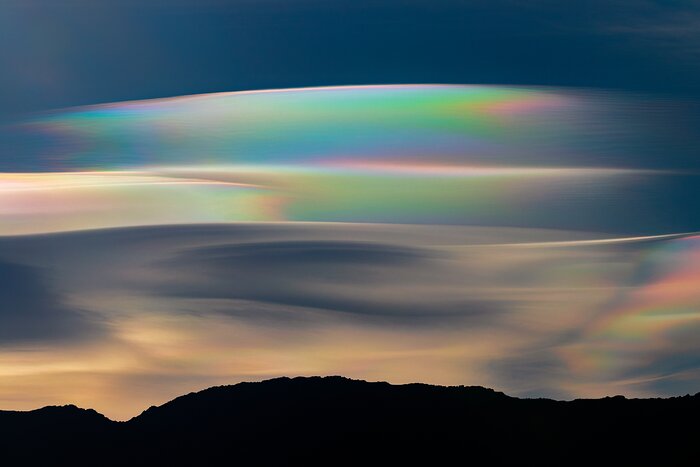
<point>57,53</point>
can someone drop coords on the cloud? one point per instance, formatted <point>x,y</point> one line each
<point>662,27</point>
<point>375,281</point>
<point>529,312</point>
<point>32,312</point>
<point>642,340</point>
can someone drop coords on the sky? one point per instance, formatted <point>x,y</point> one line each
<point>495,193</point>
<point>60,53</point>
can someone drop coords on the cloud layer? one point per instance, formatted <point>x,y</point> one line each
<point>528,239</point>
<point>528,312</point>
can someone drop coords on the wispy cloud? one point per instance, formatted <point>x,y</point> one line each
<point>659,26</point>
<point>528,312</point>
<point>33,312</point>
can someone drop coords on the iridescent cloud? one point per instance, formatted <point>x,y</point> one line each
<point>510,237</point>
<point>477,124</point>
<point>356,192</point>
<point>474,155</point>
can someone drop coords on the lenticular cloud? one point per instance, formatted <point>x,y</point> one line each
<point>540,241</point>
<point>428,154</point>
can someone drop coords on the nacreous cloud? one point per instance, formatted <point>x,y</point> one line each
<point>526,239</point>
<point>413,154</point>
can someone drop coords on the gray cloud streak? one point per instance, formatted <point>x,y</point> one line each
<point>32,311</point>
<point>378,282</point>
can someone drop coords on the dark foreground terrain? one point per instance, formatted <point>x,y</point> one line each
<point>337,421</point>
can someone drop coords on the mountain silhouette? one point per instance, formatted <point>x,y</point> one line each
<point>339,421</point>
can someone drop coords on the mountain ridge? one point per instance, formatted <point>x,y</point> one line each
<point>337,420</point>
<point>343,378</point>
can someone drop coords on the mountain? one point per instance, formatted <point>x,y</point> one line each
<point>339,421</point>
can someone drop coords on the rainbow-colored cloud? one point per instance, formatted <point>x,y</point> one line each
<point>518,238</point>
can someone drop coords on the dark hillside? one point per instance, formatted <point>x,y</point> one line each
<point>338,421</point>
